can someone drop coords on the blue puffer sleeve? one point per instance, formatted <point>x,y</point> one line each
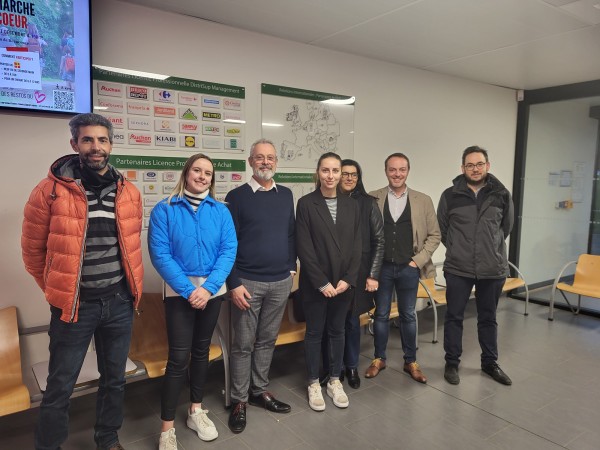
<point>226,254</point>
<point>160,252</point>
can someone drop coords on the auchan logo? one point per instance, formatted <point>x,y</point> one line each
<point>112,90</point>
<point>140,139</point>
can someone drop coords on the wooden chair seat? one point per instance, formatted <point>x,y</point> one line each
<point>586,282</point>
<point>149,344</point>
<point>14,395</point>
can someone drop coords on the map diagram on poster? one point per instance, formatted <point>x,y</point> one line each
<point>305,124</point>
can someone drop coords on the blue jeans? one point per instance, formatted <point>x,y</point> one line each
<point>405,279</point>
<point>109,321</point>
<point>487,293</point>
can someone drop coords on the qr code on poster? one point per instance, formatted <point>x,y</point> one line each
<point>64,100</point>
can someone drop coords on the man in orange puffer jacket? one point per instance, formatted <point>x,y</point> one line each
<point>81,243</point>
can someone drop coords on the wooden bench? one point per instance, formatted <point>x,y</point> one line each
<point>14,395</point>
<point>149,344</point>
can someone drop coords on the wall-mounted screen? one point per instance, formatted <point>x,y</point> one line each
<point>45,55</point>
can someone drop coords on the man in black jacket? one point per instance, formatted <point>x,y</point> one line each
<point>475,217</point>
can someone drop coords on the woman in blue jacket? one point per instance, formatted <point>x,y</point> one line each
<point>192,245</point>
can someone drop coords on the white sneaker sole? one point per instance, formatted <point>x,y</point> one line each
<point>206,437</point>
<point>335,402</point>
<point>316,408</point>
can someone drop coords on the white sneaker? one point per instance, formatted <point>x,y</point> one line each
<point>167,441</point>
<point>201,424</point>
<point>336,391</point>
<point>315,397</point>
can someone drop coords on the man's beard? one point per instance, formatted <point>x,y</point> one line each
<point>473,182</point>
<point>94,165</point>
<point>264,175</point>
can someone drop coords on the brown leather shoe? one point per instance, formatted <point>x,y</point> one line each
<point>377,365</point>
<point>414,371</point>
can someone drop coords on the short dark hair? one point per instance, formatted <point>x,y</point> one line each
<point>90,119</point>
<point>474,149</point>
<point>397,155</point>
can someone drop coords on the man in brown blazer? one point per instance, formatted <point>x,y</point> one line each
<point>411,235</point>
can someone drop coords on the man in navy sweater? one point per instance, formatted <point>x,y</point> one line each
<point>260,282</point>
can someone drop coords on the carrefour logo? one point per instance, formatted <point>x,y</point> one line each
<point>162,95</point>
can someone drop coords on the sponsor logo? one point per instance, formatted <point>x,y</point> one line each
<point>211,116</point>
<point>169,176</point>
<point>188,127</point>
<point>150,176</point>
<point>150,189</point>
<point>189,141</point>
<point>111,105</point>
<point>147,212</point>
<point>233,131</point>
<point>188,99</point>
<point>211,130</point>
<point>227,115</point>
<point>232,144</point>
<point>236,177</point>
<point>117,121</point>
<point>140,139</point>
<point>164,111</point>
<point>139,109</point>
<point>131,175</point>
<point>221,177</point>
<point>167,189</point>
<point>211,102</point>
<point>161,95</point>
<point>232,103</point>
<point>188,114</point>
<point>150,201</point>
<point>139,124</point>
<point>119,138</point>
<point>165,140</point>
<point>141,93</point>
<point>211,143</point>
<point>164,125</point>
<point>112,90</point>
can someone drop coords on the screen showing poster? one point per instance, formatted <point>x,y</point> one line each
<point>45,61</point>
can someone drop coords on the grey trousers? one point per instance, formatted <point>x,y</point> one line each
<point>255,331</point>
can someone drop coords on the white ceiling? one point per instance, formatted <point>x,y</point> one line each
<point>520,44</point>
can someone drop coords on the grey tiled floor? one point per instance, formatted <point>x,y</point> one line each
<point>553,402</point>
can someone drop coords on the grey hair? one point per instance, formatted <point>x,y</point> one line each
<point>90,119</point>
<point>261,141</point>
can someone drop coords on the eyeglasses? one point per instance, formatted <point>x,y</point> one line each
<point>470,167</point>
<point>261,158</point>
<point>353,175</point>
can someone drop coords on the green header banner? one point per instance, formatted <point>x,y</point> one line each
<point>284,91</point>
<point>139,162</point>
<point>294,178</point>
<point>181,84</point>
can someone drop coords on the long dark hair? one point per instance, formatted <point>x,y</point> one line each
<point>360,187</point>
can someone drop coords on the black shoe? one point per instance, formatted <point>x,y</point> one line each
<point>323,380</point>
<point>267,401</point>
<point>451,374</point>
<point>494,371</point>
<point>237,417</point>
<point>116,446</point>
<point>353,378</point>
